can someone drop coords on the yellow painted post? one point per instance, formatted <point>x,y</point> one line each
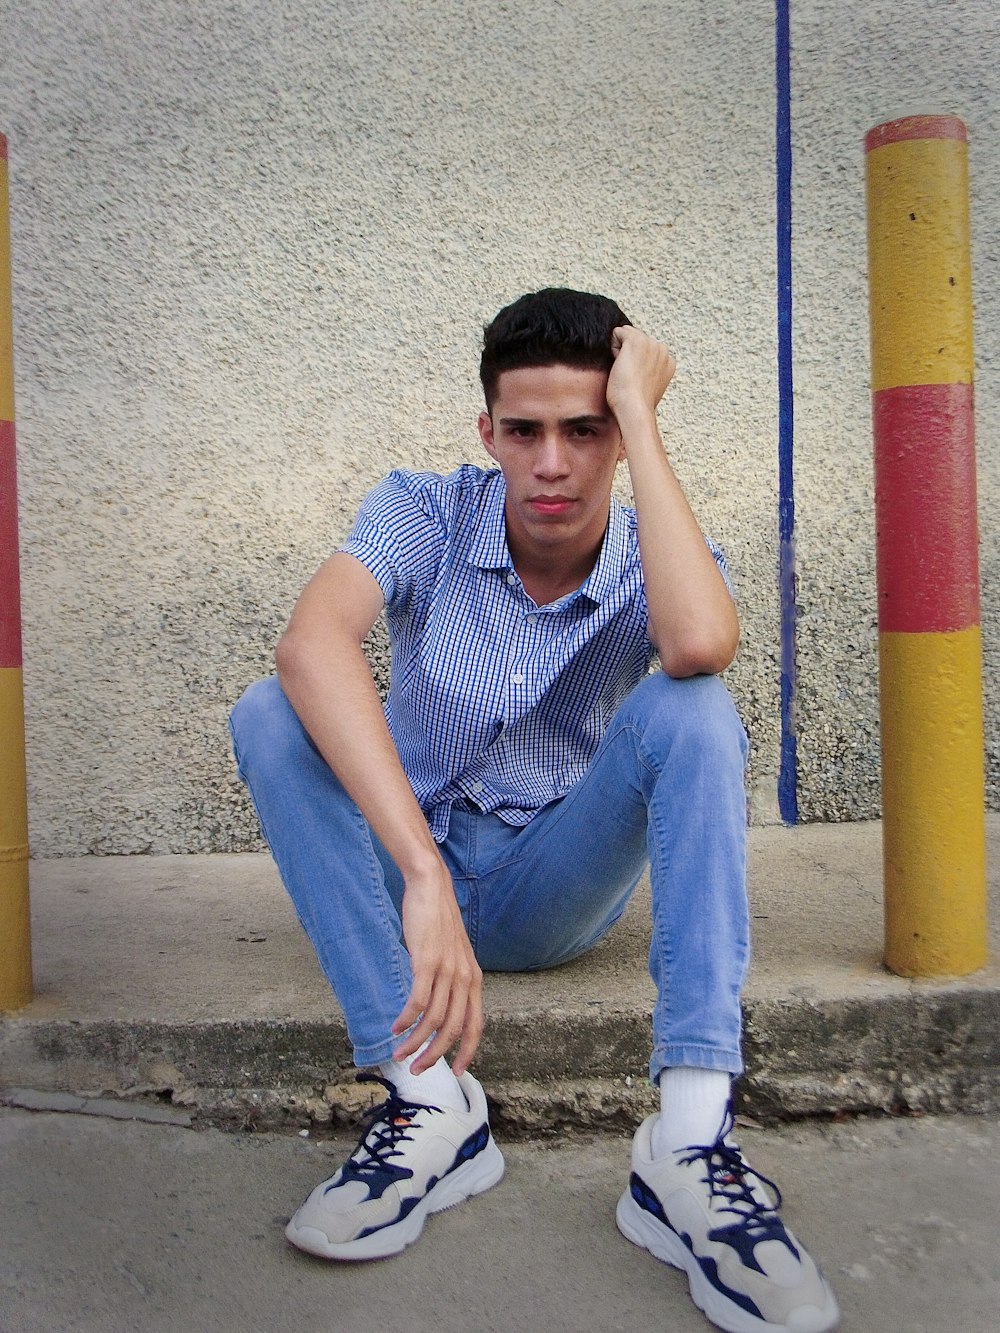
<point>15,924</point>
<point>930,664</point>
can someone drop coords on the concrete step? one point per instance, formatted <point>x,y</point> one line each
<point>186,981</point>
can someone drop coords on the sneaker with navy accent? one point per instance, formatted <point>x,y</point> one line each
<point>705,1210</point>
<point>412,1160</point>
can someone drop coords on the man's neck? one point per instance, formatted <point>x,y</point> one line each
<point>546,580</point>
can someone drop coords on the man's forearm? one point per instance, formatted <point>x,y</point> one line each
<point>326,677</point>
<point>693,621</point>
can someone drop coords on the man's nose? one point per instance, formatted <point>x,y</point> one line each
<point>552,459</point>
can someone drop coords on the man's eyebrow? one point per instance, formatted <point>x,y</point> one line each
<point>586,419</point>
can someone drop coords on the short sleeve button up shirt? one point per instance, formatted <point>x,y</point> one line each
<point>494,700</point>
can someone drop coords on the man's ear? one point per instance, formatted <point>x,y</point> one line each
<point>486,434</point>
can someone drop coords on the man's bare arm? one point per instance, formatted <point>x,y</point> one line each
<point>326,677</point>
<point>692,618</point>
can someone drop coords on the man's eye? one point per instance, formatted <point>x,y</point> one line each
<point>582,432</point>
<point>522,432</point>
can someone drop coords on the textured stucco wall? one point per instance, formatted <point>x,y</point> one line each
<point>856,66</point>
<point>254,246</point>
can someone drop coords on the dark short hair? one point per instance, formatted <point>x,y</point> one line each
<point>556,326</point>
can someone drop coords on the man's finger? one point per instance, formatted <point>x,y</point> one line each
<point>444,1032</point>
<point>432,1017</point>
<point>445,1039</point>
<point>471,1034</point>
<point>423,1029</point>
<point>415,1005</point>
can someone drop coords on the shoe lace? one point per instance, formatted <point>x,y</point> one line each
<point>731,1179</point>
<point>385,1127</point>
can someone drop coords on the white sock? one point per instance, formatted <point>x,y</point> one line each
<point>693,1105</point>
<point>436,1086</point>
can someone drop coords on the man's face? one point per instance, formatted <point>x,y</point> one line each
<point>557,443</point>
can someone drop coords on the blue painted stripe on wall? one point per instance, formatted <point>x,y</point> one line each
<point>788,800</point>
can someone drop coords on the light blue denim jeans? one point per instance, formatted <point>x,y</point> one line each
<point>665,788</point>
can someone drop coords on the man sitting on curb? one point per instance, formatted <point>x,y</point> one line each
<point>503,806</point>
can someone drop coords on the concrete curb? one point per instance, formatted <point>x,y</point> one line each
<point>928,1053</point>
<point>185,982</point>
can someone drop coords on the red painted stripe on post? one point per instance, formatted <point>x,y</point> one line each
<point>916,127</point>
<point>10,587</point>
<point>3,148</point>
<point>925,503</point>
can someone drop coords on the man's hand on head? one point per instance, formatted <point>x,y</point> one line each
<point>639,378</point>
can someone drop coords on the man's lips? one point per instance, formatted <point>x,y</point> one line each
<point>551,504</point>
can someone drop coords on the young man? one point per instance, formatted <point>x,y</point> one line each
<point>500,810</point>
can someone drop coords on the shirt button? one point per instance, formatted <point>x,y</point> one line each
<point>511,580</point>
<point>517,678</point>
<point>477,787</point>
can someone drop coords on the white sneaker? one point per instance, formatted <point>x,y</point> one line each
<point>411,1160</point>
<point>705,1210</point>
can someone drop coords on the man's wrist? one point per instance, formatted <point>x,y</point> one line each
<point>423,869</point>
<point>638,426</point>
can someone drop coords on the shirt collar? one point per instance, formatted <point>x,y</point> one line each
<point>489,548</point>
<point>604,578</point>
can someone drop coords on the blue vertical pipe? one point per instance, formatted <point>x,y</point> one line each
<point>788,800</point>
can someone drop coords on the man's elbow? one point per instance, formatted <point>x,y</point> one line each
<point>698,655</point>
<point>309,649</point>
<point>290,655</point>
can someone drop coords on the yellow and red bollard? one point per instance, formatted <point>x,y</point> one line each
<point>15,925</point>
<point>930,656</point>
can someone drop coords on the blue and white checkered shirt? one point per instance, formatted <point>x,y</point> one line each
<point>495,700</point>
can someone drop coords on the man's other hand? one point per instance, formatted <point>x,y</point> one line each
<point>447,994</point>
